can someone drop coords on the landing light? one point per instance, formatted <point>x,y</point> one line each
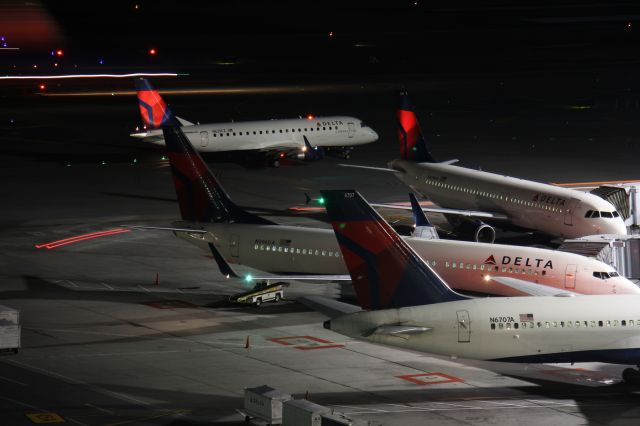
<point>310,117</point>
<point>304,149</point>
<point>487,278</point>
<point>248,278</point>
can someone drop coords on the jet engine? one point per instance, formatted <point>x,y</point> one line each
<point>473,229</point>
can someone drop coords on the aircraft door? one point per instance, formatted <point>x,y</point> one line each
<point>352,129</point>
<point>568,216</point>
<point>204,139</point>
<point>570,276</point>
<point>464,327</point>
<point>234,245</point>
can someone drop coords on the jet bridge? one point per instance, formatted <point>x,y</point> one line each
<point>620,251</point>
<point>626,199</point>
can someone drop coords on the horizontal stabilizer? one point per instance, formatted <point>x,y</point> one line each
<point>380,169</point>
<point>324,278</point>
<point>403,331</point>
<point>468,213</point>
<point>532,289</point>
<point>329,307</point>
<point>184,122</point>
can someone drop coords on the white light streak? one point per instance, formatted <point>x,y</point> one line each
<point>65,76</point>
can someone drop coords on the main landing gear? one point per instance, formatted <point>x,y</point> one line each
<point>631,376</point>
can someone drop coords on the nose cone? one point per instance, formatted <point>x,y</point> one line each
<point>371,134</point>
<point>624,286</point>
<point>615,226</point>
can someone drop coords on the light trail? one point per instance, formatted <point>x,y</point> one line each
<point>67,76</point>
<point>83,237</point>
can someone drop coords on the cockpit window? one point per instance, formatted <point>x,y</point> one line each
<point>362,124</point>
<point>595,214</point>
<point>606,214</point>
<point>615,214</point>
<point>605,275</point>
<point>588,213</point>
<point>614,274</point>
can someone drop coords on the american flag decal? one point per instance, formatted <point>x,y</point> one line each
<point>526,317</point>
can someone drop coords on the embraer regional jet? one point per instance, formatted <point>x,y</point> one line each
<point>470,197</point>
<point>273,139</point>
<point>217,225</point>
<point>409,306</point>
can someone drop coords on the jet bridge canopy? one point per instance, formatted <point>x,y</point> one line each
<point>620,251</point>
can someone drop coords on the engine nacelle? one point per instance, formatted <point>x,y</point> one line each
<point>474,229</point>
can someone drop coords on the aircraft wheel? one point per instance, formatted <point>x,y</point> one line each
<point>277,297</point>
<point>258,302</point>
<point>275,164</point>
<point>631,376</point>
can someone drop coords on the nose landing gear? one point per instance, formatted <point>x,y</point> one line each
<point>631,376</point>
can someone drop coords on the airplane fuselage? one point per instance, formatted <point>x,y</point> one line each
<point>523,329</point>
<point>334,131</point>
<point>549,209</point>
<point>467,266</point>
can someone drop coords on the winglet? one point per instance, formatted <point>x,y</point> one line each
<point>223,265</point>
<point>423,228</point>
<point>385,271</point>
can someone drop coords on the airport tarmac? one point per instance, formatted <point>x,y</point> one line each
<point>104,344</point>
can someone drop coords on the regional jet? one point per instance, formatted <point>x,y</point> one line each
<point>408,305</point>
<point>471,198</point>
<point>213,222</point>
<point>272,139</point>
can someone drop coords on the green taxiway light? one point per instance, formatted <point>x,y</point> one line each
<point>321,200</point>
<point>163,158</point>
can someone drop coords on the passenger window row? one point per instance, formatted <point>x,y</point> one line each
<point>293,250</point>
<point>486,194</point>
<point>272,131</point>
<point>564,324</point>
<point>490,268</point>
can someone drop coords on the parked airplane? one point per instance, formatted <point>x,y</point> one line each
<point>213,222</point>
<point>469,198</point>
<point>410,306</point>
<point>273,139</point>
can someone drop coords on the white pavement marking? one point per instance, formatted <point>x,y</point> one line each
<point>13,381</point>
<point>104,410</point>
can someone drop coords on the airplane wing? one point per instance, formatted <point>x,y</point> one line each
<point>329,307</point>
<point>166,228</point>
<point>468,213</point>
<point>533,289</point>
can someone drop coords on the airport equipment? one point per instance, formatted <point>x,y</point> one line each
<point>10,329</point>
<point>264,403</point>
<point>620,251</point>
<point>300,412</point>
<point>260,293</point>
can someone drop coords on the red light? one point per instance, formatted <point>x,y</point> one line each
<point>628,24</point>
<point>282,155</point>
<point>136,7</point>
<point>310,117</point>
<point>152,51</point>
<point>78,238</point>
<point>42,87</point>
<point>330,33</point>
<point>59,52</point>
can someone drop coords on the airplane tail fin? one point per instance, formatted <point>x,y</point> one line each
<point>200,195</point>
<point>154,111</point>
<point>410,137</point>
<point>385,271</point>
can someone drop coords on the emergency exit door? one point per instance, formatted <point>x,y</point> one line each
<point>570,276</point>
<point>204,139</point>
<point>352,129</point>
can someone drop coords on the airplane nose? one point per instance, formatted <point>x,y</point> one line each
<point>372,134</point>
<point>618,227</point>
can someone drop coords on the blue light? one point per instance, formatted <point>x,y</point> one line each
<point>101,61</point>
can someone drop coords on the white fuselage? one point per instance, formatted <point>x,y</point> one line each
<point>523,329</point>
<point>468,266</point>
<point>335,131</point>
<point>530,205</point>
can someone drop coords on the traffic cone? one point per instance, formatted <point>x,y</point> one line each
<point>247,343</point>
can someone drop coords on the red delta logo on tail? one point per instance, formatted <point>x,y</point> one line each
<point>408,133</point>
<point>152,108</point>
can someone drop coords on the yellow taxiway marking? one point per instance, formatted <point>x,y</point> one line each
<point>45,418</point>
